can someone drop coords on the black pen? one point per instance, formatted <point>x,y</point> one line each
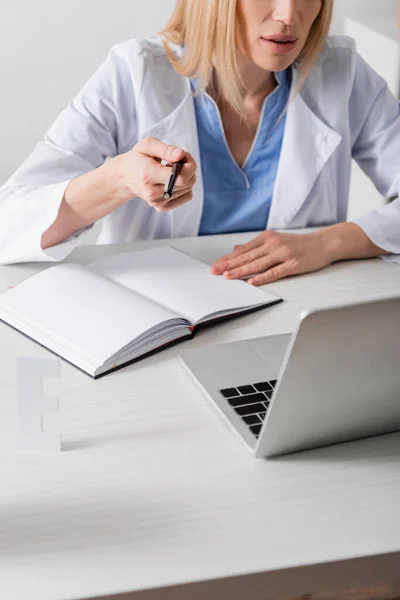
<point>170,183</point>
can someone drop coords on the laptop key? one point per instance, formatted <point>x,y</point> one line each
<point>229,392</point>
<point>252,419</point>
<point>256,429</point>
<point>261,415</point>
<point>263,386</point>
<point>268,395</point>
<point>246,389</point>
<point>273,382</point>
<point>250,409</point>
<point>242,400</point>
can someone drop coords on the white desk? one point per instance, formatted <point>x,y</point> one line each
<point>152,490</point>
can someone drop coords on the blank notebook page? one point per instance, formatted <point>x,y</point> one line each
<point>69,302</point>
<point>179,282</point>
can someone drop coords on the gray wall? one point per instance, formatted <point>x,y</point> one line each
<point>48,49</point>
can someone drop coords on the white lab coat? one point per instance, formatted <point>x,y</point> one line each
<point>344,110</point>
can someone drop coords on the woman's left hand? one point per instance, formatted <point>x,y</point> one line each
<point>272,255</point>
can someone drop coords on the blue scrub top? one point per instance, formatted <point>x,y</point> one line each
<point>239,198</point>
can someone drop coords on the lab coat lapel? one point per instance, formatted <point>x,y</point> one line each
<point>179,128</point>
<point>308,144</point>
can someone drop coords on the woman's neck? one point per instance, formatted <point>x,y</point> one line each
<point>239,132</point>
<point>258,83</point>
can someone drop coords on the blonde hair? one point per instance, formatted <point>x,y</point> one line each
<point>208,30</point>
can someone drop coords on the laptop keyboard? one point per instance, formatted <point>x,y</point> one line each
<point>251,402</point>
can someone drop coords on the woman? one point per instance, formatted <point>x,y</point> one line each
<point>278,113</point>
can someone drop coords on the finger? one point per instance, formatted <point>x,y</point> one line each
<point>256,266</point>
<point>285,269</point>
<point>254,243</point>
<point>174,203</point>
<point>158,174</point>
<point>192,180</point>
<point>159,198</point>
<point>240,260</point>
<point>220,265</point>
<point>188,171</point>
<point>153,147</point>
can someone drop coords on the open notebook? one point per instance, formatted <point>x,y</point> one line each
<point>123,307</point>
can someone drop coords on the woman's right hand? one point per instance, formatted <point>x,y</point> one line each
<point>137,173</point>
<point>141,174</point>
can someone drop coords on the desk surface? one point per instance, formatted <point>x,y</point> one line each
<point>152,490</point>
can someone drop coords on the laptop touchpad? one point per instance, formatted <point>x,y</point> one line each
<point>271,350</point>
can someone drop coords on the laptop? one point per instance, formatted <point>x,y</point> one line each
<point>335,379</point>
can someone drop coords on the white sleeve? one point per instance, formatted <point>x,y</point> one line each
<point>375,125</point>
<point>98,124</point>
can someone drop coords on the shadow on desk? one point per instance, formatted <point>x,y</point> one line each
<point>372,450</point>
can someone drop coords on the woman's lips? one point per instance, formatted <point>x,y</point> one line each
<point>280,45</point>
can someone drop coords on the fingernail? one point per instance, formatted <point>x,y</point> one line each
<point>176,153</point>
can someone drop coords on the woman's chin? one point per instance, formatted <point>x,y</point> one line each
<point>275,63</point>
